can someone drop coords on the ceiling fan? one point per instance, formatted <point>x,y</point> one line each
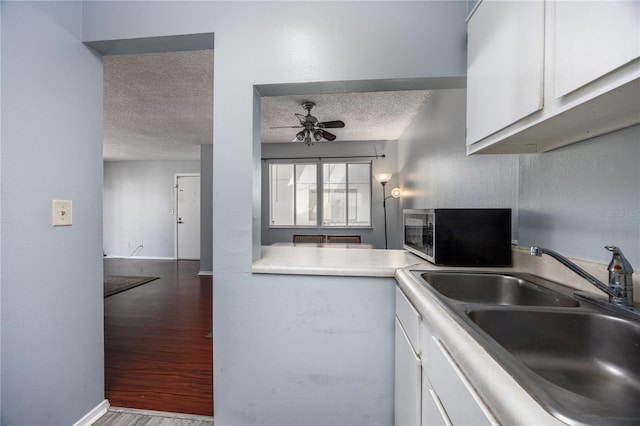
<point>312,130</point>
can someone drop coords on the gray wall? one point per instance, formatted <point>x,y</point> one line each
<point>375,235</point>
<point>264,43</point>
<point>323,354</point>
<point>0,211</point>
<point>206,208</point>
<point>574,200</point>
<point>138,197</point>
<point>435,170</point>
<point>577,199</point>
<point>51,278</point>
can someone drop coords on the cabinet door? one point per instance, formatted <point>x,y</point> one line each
<point>408,381</point>
<point>433,413</point>
<point>409,319</point>
<point>457,396</point>
<point>505,64</point>
<point>591,39</point>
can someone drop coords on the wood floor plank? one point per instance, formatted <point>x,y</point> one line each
<point>125,417</point>
<point>157,355</point>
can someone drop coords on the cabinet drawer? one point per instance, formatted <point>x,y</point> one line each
<point>459,399</point>
<point>409,319</point>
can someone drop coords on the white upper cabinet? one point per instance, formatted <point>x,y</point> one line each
<point>582,57</point>
<point>504,65</point>
<point>591,39</point>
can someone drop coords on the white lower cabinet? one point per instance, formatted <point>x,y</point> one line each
<point>454,396</point>
<point>408,371</point>
<point>408,366</point>
<point>430,389</point>
<point>433,413</point>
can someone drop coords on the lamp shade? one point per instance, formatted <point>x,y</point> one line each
<point>383,177</point>
<point>396,192</point>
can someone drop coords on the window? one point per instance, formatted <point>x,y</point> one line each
<point>342,199</point>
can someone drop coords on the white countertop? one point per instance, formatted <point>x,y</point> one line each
<point>333,261</point>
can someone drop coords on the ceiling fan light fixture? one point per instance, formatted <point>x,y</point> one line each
<point>312,130</point>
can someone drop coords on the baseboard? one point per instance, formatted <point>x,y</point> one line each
<point>207,273</point>
<point>139,257</point>
<point>92,416</point>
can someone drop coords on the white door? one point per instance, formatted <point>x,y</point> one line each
<point>188,217</point>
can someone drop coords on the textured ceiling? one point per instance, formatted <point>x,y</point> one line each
<point>159,106</point>
<point>367,116</point>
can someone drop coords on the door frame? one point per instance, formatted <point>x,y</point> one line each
<point>175,208</point>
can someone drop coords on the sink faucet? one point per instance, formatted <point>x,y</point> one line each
<point>620,288</point>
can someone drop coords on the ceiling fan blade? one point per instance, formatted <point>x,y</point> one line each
<point>328,136</point>
<point>337,124</point>
<point>302,118</point>
<point>287,127</point>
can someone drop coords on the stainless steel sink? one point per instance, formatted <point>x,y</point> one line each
<point>581,363</point>
<point>593,359</point>
<point>495,289</point>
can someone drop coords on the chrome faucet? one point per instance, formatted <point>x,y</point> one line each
<point>620,288</point>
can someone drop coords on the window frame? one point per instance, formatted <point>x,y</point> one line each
<point>320,193</point>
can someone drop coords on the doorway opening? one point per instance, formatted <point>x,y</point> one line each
<point>158,126</point>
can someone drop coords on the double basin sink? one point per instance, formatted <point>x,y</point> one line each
<point>581,363</point>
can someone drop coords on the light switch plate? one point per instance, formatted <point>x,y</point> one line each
<point>62,213</point>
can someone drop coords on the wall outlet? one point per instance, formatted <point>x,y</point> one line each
<point>62,213</point>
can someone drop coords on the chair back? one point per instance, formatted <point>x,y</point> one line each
<point>308,238</point>
<point>345,239</point>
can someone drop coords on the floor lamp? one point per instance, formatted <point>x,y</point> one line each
<point>383,178</point>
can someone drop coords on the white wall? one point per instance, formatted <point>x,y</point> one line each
<point>263,43</point>
<point>374,235</point>
<point>51,278</point>
<point>138,197</point>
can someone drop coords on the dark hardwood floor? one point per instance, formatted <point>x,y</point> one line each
<point>157,354</point>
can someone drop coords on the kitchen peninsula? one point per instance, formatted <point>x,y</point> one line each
<point>356,290</point>
<point>332,310</point>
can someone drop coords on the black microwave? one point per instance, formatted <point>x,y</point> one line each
<point>459,237</point>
